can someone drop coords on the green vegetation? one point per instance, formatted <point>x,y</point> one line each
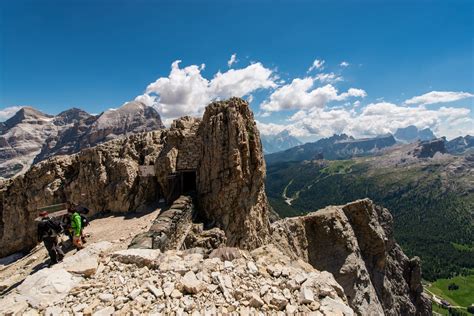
<point>433,212</point>
<point>463,296</point>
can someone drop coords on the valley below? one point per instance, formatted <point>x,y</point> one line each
<point>431,200</point>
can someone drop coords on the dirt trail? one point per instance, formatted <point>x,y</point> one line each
<point>117,229</point>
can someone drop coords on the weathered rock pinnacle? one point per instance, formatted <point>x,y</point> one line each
<point>231,174</point>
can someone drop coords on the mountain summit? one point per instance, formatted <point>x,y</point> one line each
<point>411,134</point>
<point>31,136</point>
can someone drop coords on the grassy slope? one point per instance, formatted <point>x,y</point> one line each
<point>464,296</point>
<point>431,221</point>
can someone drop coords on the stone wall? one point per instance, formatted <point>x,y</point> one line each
<point>169,228</point>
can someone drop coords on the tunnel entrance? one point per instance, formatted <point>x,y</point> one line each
<point>181,182</point>
<point>189,181</point>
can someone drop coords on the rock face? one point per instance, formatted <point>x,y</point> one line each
<point>31,136</point>
<point>21,139</point>
<point>103,178</point>
<point>460,144</point>
<point>355,243</point>
<point>231,174</point>
<point>218,158</point>
<point>428,149</point>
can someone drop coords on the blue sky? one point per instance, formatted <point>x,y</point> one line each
<point>99,54</point>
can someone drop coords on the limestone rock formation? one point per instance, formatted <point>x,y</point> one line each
<point>232,172</point>
<point>84,131</point>
<point>355,243</point>
<point>31,136</point>
<point>427,149</point>
<point>21,139</point>
<point>103,178</point>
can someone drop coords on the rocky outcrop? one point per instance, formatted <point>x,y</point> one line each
<point>428,149</point>
<point>231,174</point>
<point>222,152</point>
<point>104,178</point>
<point>355,243</point>
<point>460,144</point>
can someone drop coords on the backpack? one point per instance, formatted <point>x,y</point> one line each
<point>82,210</point>
<point>84,221</point>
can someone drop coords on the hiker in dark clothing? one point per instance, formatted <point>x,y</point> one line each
<point>48,233</point>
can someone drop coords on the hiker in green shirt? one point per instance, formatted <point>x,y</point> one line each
<point>76,226</point>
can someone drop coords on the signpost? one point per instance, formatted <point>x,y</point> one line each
<point>147,171</point>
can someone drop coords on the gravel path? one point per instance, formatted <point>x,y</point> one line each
<point>117,229</point>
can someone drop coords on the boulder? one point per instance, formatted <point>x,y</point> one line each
<point>47,287</point>
<point>190,283</point>
<point>139,257</point>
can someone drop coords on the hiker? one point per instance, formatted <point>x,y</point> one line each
<point>48,233</point>
<point>75,226</point>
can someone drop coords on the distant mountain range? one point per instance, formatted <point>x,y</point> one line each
<point>344,146</point>
<point>429,192</point>
<point>278,142</point>
<point>411,134</point>
<point>31,136</point>
<point>335,147</point>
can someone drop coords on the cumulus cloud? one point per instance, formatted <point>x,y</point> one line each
<point>8,112</point>
<point>317,64</point>
<point>301,94</point>
<point>377,119</point>
<point>273,129</point>
<point>438,97</point>
<point>232,60</point>
<point>344,64</point>
<point>328,77</point>
<point>186,92</point>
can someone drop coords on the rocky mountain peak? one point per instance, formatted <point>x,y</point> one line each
<point>132,116</point>
<point>411,134</point>
<point>27,114</point>
<point>71,116</point>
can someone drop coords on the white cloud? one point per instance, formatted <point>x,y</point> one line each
<point>273,129</point>
<point>186,92</point>
<point>317,64</point>
<point>232,60</point>
<point>344,64</point>
<point>300,94</point>
<point>377,119</point>
<point>438,97</point>
<point>8,112</point>
<point>328,77</point>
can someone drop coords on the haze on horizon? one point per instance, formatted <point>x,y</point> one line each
<point>310,68</point>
